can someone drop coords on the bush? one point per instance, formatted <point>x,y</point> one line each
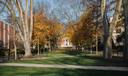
<point>20,51</point>
<point>2,53</point>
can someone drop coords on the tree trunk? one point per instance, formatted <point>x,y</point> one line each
<point>27,49</point>
<point>108,28</point>
<point>91,46</point>
<point>125,12</point>
<point>107,40</point>
<point>15,49</point>
<point>38,47</point>
<point>109,47</point>
<point>96,43</point>
<point>113,24</point>
<point>106,37</point>
<point>23,24</point>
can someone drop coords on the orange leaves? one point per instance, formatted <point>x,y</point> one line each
<point>84,29</point>
<point>45,29</point>
<point>40,28</point>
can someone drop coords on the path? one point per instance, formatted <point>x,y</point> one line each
<point>66,66</point>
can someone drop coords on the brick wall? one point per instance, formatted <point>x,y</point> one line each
<point>6,35</point>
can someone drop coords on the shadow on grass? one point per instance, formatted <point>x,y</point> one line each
<point>75,58</point>
<point>73,72</point>
<point>96,60</point>
<point>21,71</point>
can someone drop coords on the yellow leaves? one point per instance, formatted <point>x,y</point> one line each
<point>40,28</point>
<point>84,29</point>
<point>45,29</point>
<point>70,30</point>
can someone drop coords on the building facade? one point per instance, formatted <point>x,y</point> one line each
<point>6,35</point>
<point>65,42</point>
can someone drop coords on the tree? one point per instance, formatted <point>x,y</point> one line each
<point>125,13</point>
<point>65,15</point>
<point>2,5</point>
<point>83,29</point>
<point>54,33</point>
<point>40,30</point>
<point>22,18</point>
<point>109,27</point>
<point>46,31</point>
<point>96,15</point>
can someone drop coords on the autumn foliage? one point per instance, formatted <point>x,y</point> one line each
<point>46,31</point>
<point>83,32</point>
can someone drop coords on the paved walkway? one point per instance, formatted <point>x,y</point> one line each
<point>66,66</point>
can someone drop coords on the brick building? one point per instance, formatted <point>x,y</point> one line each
<point>6,35</point>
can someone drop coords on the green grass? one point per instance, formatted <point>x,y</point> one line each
<point>65,57</point>
<point>74,58</point>
<point>22,71</point>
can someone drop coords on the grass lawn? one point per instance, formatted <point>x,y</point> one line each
<point>22,71</point>
<point>74,58</point>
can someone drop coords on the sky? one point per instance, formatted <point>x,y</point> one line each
<point>57,8</point>
<point>70,7</point>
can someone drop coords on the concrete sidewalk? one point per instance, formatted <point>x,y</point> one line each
<point>112,68</point>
